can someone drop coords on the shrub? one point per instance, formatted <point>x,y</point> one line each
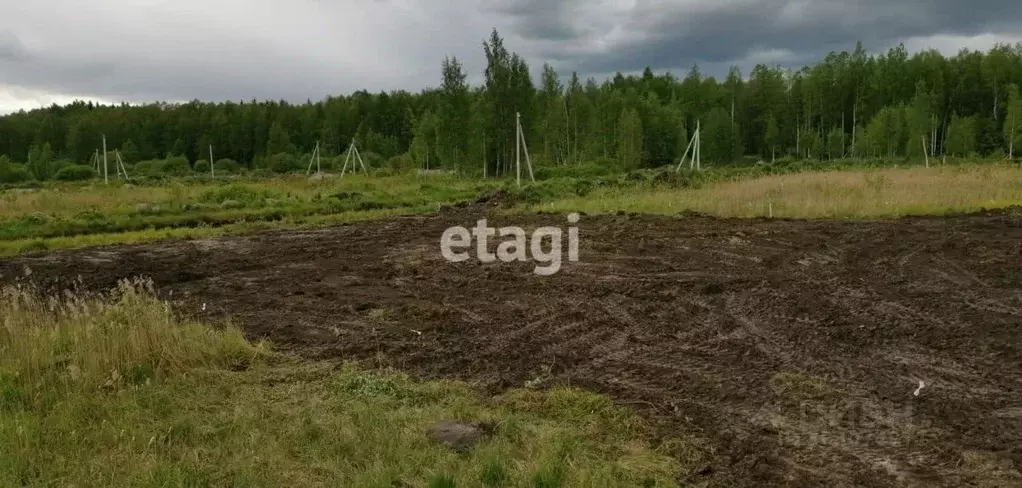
<point>202,167</point>
<point>371,160</point>
<point>176,166</point>
<point>226,165</point>
<point>401,162</point>
<point>147,168</point>
<point>284,163</point>
<point>75,173</point>
<point>59,164</point>
<point>13,172</point>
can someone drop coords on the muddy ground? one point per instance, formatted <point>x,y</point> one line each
<point>790,352</point>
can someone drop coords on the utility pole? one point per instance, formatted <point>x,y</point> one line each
<point>699,146</point>
<point>106,175</point>
<point>518,147</point>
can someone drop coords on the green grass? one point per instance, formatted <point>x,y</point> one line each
<point>72,216</point>
<point>20,246</point>
<point>116,390</point>
<point>72,210</point>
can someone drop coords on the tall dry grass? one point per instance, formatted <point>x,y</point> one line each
<point>53,345</point>
<point>851,194</point>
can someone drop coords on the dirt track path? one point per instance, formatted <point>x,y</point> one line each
<point>789,350</point>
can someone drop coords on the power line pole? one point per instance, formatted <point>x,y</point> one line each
<point>518,147</point>
<point>106,174</point>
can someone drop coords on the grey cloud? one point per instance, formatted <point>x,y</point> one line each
<point>11,48</point>
<point>680,33</point>
<point>307,49</point>
<point>540,19</point>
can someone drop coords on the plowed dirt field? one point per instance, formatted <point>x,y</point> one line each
<point>791,353</point>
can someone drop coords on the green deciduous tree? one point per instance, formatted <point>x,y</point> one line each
<point>835,143</point>
<point>772,137</point>
<point>554,131</point>
<point>453,115</point>
<point>424,143</point>
<point>629,139</point>
<point>278,140</point>
<point>886,105</point>
<point>961,137</point>
<point>1013,121</point>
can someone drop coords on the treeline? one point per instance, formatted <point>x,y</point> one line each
<point>850,105</point>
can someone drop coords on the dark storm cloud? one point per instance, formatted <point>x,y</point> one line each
<point>146,50</point>
<point>673,34</point>
<point>539,19</point>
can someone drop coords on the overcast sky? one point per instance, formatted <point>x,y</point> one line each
<point>176,50</point>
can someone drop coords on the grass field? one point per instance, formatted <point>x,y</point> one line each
<point>72,216</point>
<point>117,391</point>
<point>827,194</point>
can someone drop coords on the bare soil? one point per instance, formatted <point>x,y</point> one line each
<point>791,353</point>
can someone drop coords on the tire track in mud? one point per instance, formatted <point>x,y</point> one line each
<point>787,350</point>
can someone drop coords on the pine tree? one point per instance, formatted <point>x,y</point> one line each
<point>717,139</point>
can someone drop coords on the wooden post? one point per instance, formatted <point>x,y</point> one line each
<point>528,159</point>
<point>106,174</point>
<point>212,172</point>
<point>124,169</point>
<point>347,157</point>
<point>359,157</point>
<point>518,148</point>
<point>685,154</point>
<point>314,157</point>
<point>699,146</point>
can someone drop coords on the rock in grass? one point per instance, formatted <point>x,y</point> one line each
<point>228,204</point>
<point>459,435</point>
